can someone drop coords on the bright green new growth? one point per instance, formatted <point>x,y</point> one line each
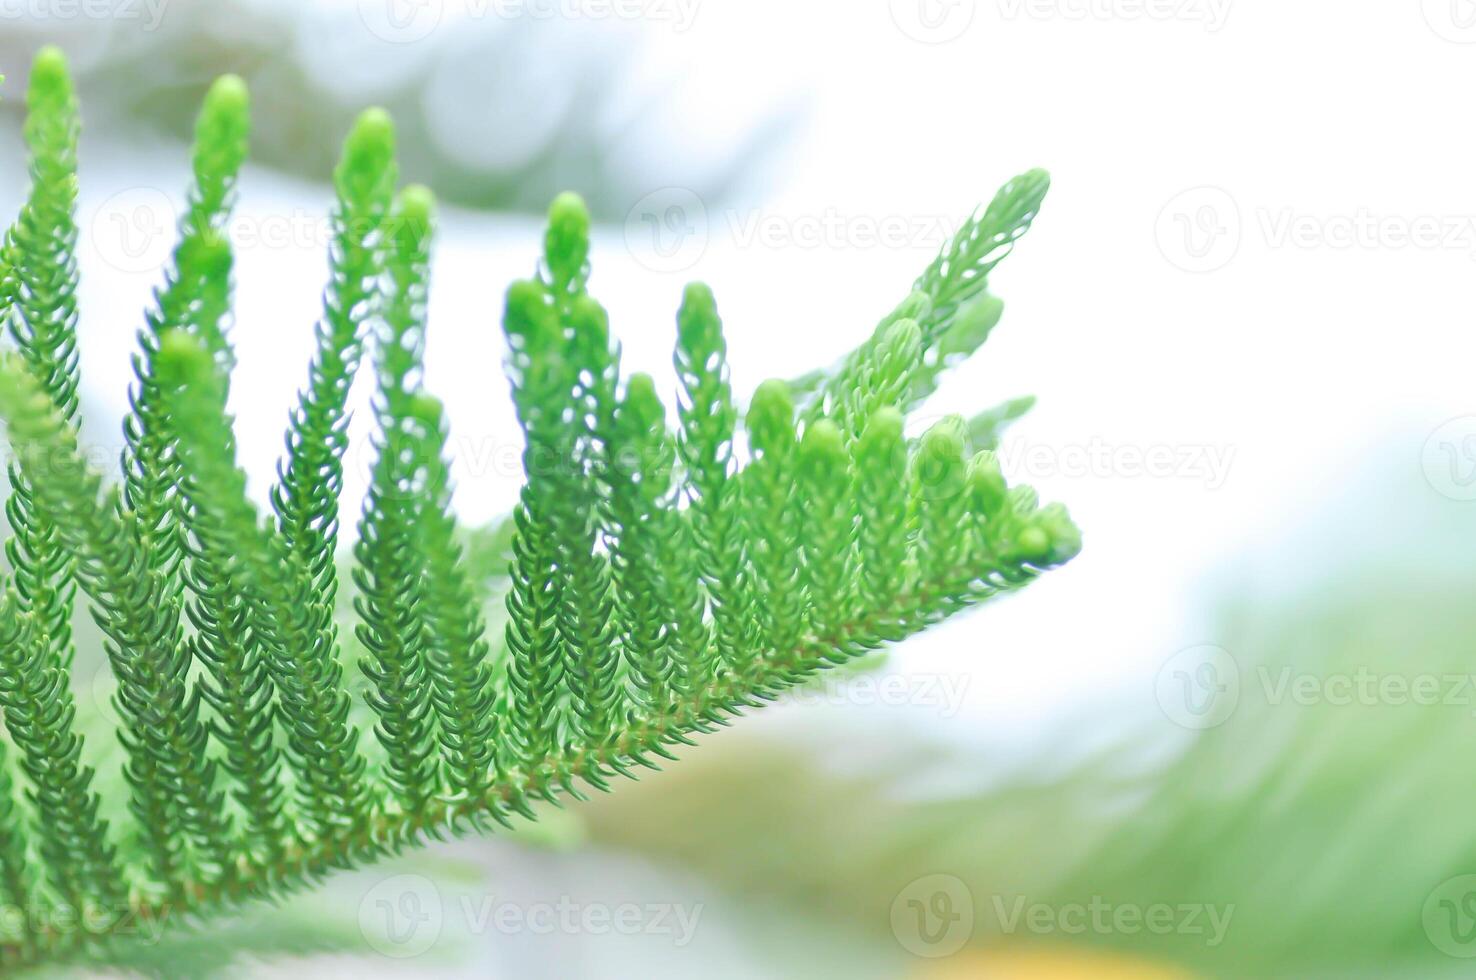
<point>38,284</point>
<point>662,579</point>
<point>391,599</point>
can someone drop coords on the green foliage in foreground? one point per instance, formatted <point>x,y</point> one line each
<point>661,581</point>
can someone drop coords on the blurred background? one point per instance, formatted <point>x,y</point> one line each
<point>1232,739</point>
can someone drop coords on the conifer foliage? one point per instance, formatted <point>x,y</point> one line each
<point>669,568</point>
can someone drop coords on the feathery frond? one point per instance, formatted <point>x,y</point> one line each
<point>662,578</point>
<point>72,839</point>
<point>390,600</point>
<point>40,273</point>
<point>178,809</point>
<point>188,300</point>
<point>323,745</point>
<point>709,420</point>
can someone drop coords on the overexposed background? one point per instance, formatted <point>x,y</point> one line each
<point>1252,287</point>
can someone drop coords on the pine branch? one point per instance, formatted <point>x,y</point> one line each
<point>828,532</point>
<point>15,874</point>
<point>943,338</point>
<point>323,744</point>
<point>182,304</point>
<point>706,445</point>
<point>715,705</point>
<point>774,510</point>
<point>641,457</point>
<point>391,591</point>
<point>541,385</point>
<point>262,569</point>
<point>40,712</point>
<point>660,583</point>
<point>579,475</point>
<point>880,464</point>
<point>178,810</point>
<point>236,683</point>
<point>456,652</point>
<point>586,615</point>
<point>41,287</point>
<point>948,303</point>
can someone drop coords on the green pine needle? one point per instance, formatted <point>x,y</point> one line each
<point>40,273</point>
<point>660,580</point>
<point>390,600</point>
